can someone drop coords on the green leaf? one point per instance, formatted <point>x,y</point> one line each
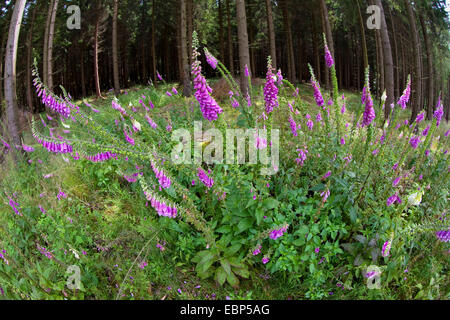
<point>353,214</point>
<point>270,203</point>
<point>233,249</point>
<point>221,276</point>
<point>233,280</point>
<point>243,225</point>
<point>243,272</point>
<point>226,265</point>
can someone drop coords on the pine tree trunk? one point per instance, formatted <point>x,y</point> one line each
<point>324,31</point>
<point>45,49</point>
<point>190,30</point>
<point>290,46</point>
<point>230,42</point>
<point>397,66</point>
<point>272,44</point>
<point>115,49</point>
<point>96,49</point>
<point>83,77</point>
<point>363,37</point>
<point>184,56</point>
<point>221,40</point>
<point>51,35</point>
<point>30,62</point>
<point>417,79</point>
<point>388,62</point>
<point>155,79</point>
<point>10,73</point>
<point>380,65</point>
<point>430,84</point>
<point>316,48</point>
<point>244,54</point>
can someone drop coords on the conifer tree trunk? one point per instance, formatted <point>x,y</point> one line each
<point>190,30</point>
<point>83,77</point>
<point>290,46</point>
<point>363,37</point>
<point>417,78</point>
<point>96,50</point>
<point>430,84</point>
<point>221,40</point>
<point>388,62</point>
<point>397,66</point>
<point>115,49</point>
<point>29,62</point>
<point>272,44</point>
<point>45,49</point>
<point>155,79</point>
<point>244,54</point>
<point>230,42</point>
<point>184,56</point>
<point>10,72</point>
<point>380,65</point>
<point>51,35</point>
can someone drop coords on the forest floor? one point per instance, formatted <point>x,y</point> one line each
<point>118,241</point>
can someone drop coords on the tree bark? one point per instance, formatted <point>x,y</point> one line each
<point>388,62</point>
<point>190,30</point>
<point>290,46</point>
<point>324,30</point>
<point>221,40</point>
<point>244,54</point>
<point>10,73</point>
<point>363,37</point>
<point>45,49</point>
<point>380,65</point>
<point>83,78</point>
<point>184,56</point>
<point>29,62</point>
<point>272,44</point>
<point>96,49</point>
<point>51,34</point>
<point>115,49</point>
<point>397,66</point>
<point>155,80</point>
<point>230,42</point>
<point>417,79</point>
<point>430,84</point>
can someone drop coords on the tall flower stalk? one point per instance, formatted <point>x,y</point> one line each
<point>209,107</point>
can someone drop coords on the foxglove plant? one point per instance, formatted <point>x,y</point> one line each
<point>406,94</point>
<point>208,105</point>
<point>270,89</point>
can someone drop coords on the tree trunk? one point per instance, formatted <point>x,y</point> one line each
<point>153,45</point>
<point>115,49</point>
<point>221,40</point>
<point>290,46</point>
<point>430,85</point>
<point>244,54</point>
<point>417,79</point>
<point>316,47</point>
<point>190,30</point>
<point>51,34</point>
<point>30,62</point>
<point>380,62</point>
<point>363,37</point>
<point>388,62</point>
<point>397,66</point>
<point>96,49</point>
<point>184,56</point>
<point>272,44</point>
<point>10,73</point>
<point>324,31</point>
<point>230,42</point>
<point>83,78</point>
<point>45,49</point>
